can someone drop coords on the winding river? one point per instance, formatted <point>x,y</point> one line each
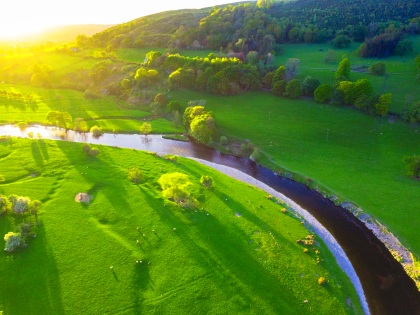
<point>381,282</point>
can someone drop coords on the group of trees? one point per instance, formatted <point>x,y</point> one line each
<point>199,123</point>
<point>21,208</point>
<point>344,92</point>
<point>263,25</point>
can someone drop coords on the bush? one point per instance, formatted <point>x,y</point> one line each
<point>207,181</point>
<point>223,140</point>
<point>89,94</point>
<point>21,205</point>
<point>94,152</point>
<point>135,175</point>
<point>5,205</point>
<point>341,41</point>
<point>321,281</point>
<point>412,113</point>
<point>293,89</point>
<point>22,125</point>
<point>13,241</point>
<point>413,165</point>
<point>378,68</point>
<point>96,131</point>
<point>86,148</point>
<point>177,188</point>
<point>256,155</point>
<point>322,93</point>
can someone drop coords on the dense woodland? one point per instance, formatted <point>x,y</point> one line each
<point>263,26</point>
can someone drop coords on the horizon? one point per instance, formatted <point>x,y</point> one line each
<point>42,15</point>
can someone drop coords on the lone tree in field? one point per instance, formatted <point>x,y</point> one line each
<point>146,129</point>
<point>177,188</point>
<point>135,175</point>
<point>60,119</point>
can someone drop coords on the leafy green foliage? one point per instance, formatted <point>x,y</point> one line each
<point>322,94</point>
<point>177,188</point>
<point>13,241</point>
<point>59,118</point>
<point>378,68</point>
<point>413,165</point>
<point>341,41</point>
<point>412,113</point>
<point>96,131</point>
<point>343,70</point>
<point>207,181</point>
<point>146,128</point>
<point>293,89</point>
<point>135,175</point>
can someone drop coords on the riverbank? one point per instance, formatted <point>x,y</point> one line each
<point>320,230</point>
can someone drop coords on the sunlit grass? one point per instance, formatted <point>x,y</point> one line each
<point>191,262</point>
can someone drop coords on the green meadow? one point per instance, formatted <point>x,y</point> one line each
<point>356,157</point>
<point>230,255</point>
<point>401,70</point>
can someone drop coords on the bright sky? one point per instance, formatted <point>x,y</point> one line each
<point>19,17</point>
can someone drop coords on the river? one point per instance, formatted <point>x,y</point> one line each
<point>381,282</point>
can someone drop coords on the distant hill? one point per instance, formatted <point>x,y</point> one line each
<point>65,33</point>
<point>244,26</point>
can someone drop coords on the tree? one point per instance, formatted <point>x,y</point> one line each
<point>309,85</point>
<point>383,103</point>
<point>174,106</point>
<point>264,4</point>
<point>293,89</point>
<point>207,181</point>
<point>203,127</point>
<point>343,70</point>
<point>60,119</point>
<point>322,93</point>
<point>13,241</point>
<point>135,175</point>
<point>21,205</point>
<point>5,205</point>
<point>34,207</point>
<point>413,165</point>
<point>341,41</point>
<point>292,66</point>
<point>378,68</point>
<point>177,187</point>
<point>279,87</point>
<point>145,129</point>
<point>96,131</point>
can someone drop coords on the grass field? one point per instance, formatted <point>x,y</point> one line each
<point>357,157</point>
<point>402,70</point>
<point>232,256</point>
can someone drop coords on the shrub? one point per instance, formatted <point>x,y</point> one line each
<point>94,152</point>
<point>378,68</point>
<point>323,93</point>
<point>223,140</point>
<point>207,181</point>
<point>5,205</point>
<point>412,113</point>
<point>135,175</point>
<point>86,148</point>
<point>256,155</point>
<point>89,94</point>
<point>22,125</point>
<point>341,41</point>
<point>413,165</point>
<point>13,241</point>
<point>96,131</point>
<point>176,187</point>
<point>321,281</point>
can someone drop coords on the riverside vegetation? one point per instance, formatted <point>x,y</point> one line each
<point>321,109</point>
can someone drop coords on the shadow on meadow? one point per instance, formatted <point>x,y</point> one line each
<point>221,250</point>
<point>30,281</point>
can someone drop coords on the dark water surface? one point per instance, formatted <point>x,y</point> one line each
<point>387,287</point>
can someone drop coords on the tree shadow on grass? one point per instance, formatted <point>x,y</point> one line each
<point>220,249</point>
<point>99,174</point>
<point>30,281</point>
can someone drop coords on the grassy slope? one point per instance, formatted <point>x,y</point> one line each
<point>402,71</point>
<point>361,160</point>
<point>216,263</point>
